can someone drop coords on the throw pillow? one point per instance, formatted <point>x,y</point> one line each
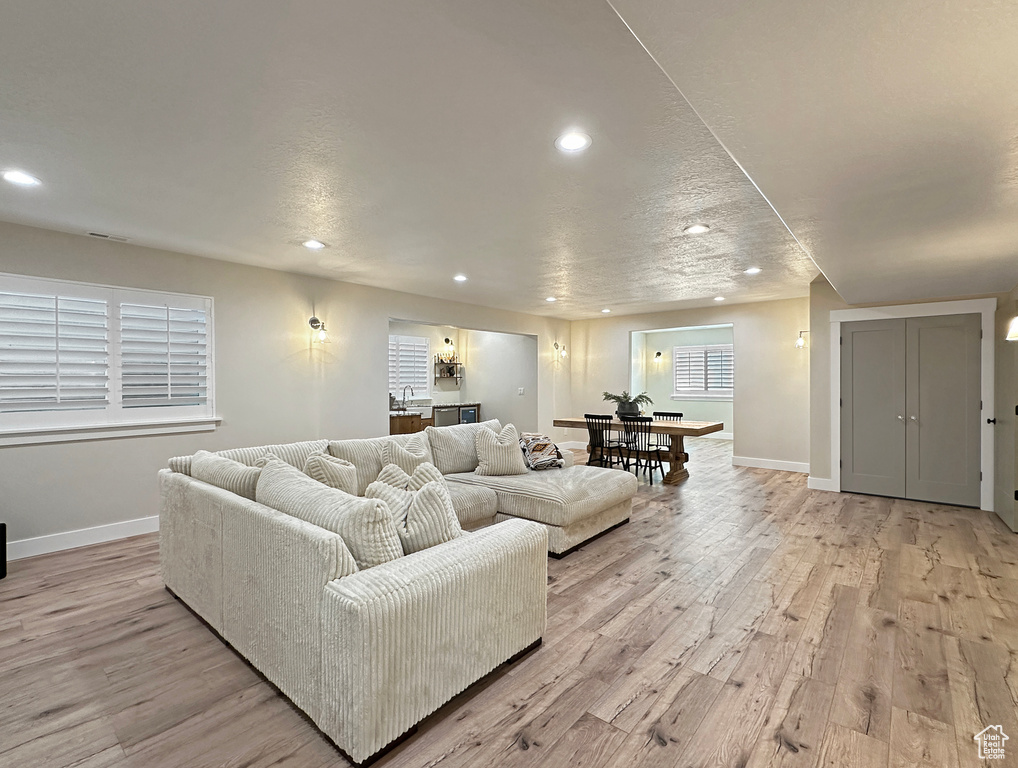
<point>408,456</point>
<point>500,454</point>
<point>333,472</point>
<point>225,473</point>
<point>420,504</point>
<point>455,447</point>
<point>366,525</point>
<point>540,452</point>
<point>396,477</point>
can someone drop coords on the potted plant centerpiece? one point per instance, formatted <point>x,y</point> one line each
<point>628,405</point>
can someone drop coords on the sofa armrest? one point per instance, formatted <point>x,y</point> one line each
<point>275,570</point>
<point>401,639</point>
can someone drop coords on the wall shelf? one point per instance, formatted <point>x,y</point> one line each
<point>448,370</point>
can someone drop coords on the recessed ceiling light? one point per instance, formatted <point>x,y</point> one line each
<point>314,245</point>
<point>754,271</point>
<point>573,141</point>
<point>696,229</point>
<point>20,178</point>
<point>719,298</point>
<point>605,311</point>
<point>460,278</point>
<point>551,298</point>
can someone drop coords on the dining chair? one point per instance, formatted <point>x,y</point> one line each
<point>599,431</point>
<point>668,416</point>
<point>637,444</point>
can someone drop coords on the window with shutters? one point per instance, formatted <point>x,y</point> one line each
<point>410,365</point>
<point>704,372</point>
<point>76,355</point>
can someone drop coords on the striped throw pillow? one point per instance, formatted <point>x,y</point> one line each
<point>408,456</point>
<point>366,525</point>
<point>500,454</point>
<point>333,472</point>
<point>225,473</point>
<point>420,504</point>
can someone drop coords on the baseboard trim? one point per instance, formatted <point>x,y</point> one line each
<point>720,436</point>
<point>784,466</point>
<point>56,542</point>
<point>822,484</point>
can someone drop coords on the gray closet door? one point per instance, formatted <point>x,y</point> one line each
<point>873,407</point>
<point>943,409</point>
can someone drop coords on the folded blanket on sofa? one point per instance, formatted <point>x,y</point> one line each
<point>540,452</point>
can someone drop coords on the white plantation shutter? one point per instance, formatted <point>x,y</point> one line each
<point>164,356</point>
<point>410,364</point>
<point>720,363</point>
<point>75,354</point>
<point>54,353</point>
<point>689,369</point>
<point>706,371</point>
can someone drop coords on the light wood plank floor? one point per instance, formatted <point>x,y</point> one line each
<point>739,620</point>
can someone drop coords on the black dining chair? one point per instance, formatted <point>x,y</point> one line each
<point>667,416</point>
<point>599,436</point>
<point>638,445</point>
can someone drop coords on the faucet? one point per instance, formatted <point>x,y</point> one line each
<point>404,394</point>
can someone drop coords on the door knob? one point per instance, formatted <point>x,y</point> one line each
<point>900,417</point>
<point>991,421</point>
<point>914,418</point>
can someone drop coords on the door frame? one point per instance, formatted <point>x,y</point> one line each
<point>986,308</point>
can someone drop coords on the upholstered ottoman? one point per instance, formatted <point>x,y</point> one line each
<point>575,504</point>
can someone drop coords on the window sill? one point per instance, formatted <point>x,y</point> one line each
<point>106,431</point>
<point>711,398</point>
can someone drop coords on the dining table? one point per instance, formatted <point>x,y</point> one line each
<point>676,430</point>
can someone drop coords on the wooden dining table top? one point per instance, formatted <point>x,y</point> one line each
<point>682,428</point>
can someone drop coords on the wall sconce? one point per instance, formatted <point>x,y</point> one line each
<point>657,357</point>
<point>800,343</point>
<point>1012,332</point>
<point>321,335</point>
<point>561,350</point>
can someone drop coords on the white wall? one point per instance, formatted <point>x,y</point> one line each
<point>658,373</point>
<point>1006,431</point>
<point>272,384</point>
<point>497,365</point>
<point>772,383</point>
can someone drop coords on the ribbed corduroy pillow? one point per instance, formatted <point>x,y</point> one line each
<point>333,472</point>
<point>500,454</point>
<point>408,456</point>
<point>225,473</point>
<point>420,504</point>
<point>455,447</point>
<point>366,525</point>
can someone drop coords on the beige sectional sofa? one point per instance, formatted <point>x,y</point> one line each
<point>368,653</point>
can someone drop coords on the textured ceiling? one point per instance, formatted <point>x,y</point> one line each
<point>884,133</point>
<point>416,139</point>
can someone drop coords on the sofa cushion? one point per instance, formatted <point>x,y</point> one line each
<point>556,498</point>
<point>225,473</point>
<point>366,455</point>
<point>408,456</point>
<point>366,525</point>
<point>424,514</point>
<point>454,448</point>
<point>473,503</point>
<point>500,454</point>
<point>294,454</point>
<point>333,472</point>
